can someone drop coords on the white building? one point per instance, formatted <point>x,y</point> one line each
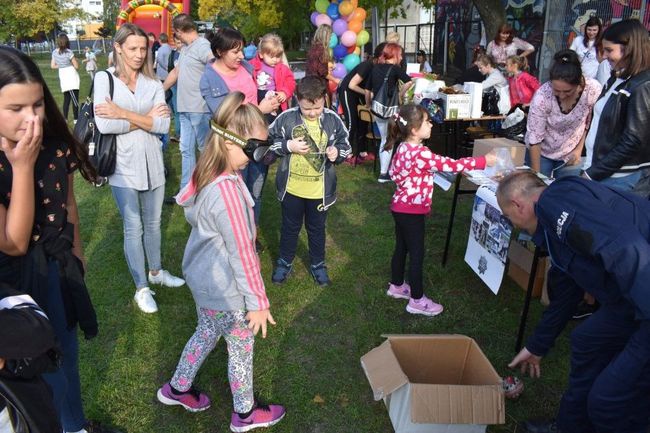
<point>94,8</point>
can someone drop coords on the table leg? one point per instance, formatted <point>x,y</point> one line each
<point>451,219</point>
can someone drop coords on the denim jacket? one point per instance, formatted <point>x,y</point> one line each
<point>214,88</point>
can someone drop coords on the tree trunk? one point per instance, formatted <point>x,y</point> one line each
<point>493,14</point>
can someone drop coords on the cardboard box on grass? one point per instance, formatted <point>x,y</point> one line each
<point>457,106</point>
<point>520,265</point>
<point>435,384</point>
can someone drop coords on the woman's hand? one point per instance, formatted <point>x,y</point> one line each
<point>159,110</point>
<point>269,105</point>
<point>258,319</point>
<point>574,158</point>
<point>25,151</point>
<point>109,110</point>
<point>298,146</point>
<point>332,153</point>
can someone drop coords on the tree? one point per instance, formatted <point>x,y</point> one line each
<point>493,14</point>
<point>252,17</point>
<point>109,21</point>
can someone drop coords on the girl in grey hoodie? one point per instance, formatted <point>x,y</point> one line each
<point>222,270</point>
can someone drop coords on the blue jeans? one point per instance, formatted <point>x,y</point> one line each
<point>254,176</point>
<point>140,209</point>
<point>65,383</point>
<point>625,183</point>
<point>173,104</point>
<point>548,165</point>
<point>194,131</point>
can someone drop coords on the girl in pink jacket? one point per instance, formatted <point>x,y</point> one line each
<point>522,85</point>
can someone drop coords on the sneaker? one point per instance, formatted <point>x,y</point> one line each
<point>192,399</point>
<point>512,387</point>
<point>369,156</point>
<point>584,310</point>
<point>96,427</point>
<point>144,298</point>
<point>383,178</point>
<point>399,292</point>
<point>170,200</point>
<point>258,246</point>
<point>319,273</point>
<point>281,271</point>
<point>164,278</point>
<point>423,306</point>
<point>262,416</point>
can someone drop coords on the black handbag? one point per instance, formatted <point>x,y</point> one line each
<point>386,102</point>
<point>102,148</point>
<point>490,102</point>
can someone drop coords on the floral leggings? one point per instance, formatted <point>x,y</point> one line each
<point>239,339</point>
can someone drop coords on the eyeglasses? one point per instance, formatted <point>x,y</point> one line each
<point>255,149</point>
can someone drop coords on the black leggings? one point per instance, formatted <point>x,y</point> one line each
<point>349,100</point>
<point>409,239</point>
<point>71,95</point>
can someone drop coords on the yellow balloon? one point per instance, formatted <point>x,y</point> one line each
<point>357,51</point>
<point>345,8</point>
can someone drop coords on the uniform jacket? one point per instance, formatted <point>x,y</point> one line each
<point>337,135</point>
<point>623,141</point>
<point>598,241</point>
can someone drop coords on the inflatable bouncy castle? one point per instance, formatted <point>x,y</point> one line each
<point>152,15</point>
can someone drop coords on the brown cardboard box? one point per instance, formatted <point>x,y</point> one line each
<point>521,262</point>
<point>485,145</point>
<point>458,106</point>
<point>435,384</point>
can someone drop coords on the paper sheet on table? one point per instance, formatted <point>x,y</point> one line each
<point>489,238</point>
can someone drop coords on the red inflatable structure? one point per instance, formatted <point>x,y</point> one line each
<point>152,15</point>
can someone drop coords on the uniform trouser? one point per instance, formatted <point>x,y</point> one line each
<point>609,381</point>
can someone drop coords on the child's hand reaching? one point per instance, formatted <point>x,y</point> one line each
<point>281,96</point>
<point>332,153</point>
<point>258,319</point>
<point>490,158</point>
<point>298,146</point>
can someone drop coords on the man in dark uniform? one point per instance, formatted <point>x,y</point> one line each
<point>598,241</point>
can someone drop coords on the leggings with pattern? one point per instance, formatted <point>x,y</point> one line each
<point>211,326</point>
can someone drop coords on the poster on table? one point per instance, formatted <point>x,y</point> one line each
<point>489,237</point>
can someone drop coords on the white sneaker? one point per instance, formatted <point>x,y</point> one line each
<point>144,298</point>
<point>166,279</point>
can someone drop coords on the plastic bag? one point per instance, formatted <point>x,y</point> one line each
<point>503,165</point>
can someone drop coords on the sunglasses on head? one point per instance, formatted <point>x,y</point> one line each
<point>255,149</point>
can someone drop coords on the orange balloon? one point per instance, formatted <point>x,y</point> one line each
<point>359,14</point>
<point>355,26</point>
<point>354,3</point>
<point>357,51</point>
<point>346,8</point>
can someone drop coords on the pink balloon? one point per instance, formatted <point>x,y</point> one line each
<point>349,38</point>
<point>323,19</point>
<point>340,26</point>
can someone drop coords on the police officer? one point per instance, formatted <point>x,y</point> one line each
<point>598,241</point>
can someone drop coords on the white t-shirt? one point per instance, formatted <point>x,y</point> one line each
<point>587,55</point>
<point>590,141</point>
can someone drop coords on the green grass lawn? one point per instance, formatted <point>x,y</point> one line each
<point>310,361</point>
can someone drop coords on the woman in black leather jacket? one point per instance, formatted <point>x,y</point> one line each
<point>618,143</point>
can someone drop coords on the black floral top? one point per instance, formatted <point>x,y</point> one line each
<point>54,163</point>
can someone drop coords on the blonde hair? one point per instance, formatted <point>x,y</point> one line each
<point>393,37</point>
<point>271,44</point>
<point>322,37</point>
<point>122,34</point>
<point>520,61</point>
<point>234,115</point>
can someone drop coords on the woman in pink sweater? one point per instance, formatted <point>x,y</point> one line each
<point>413,169</point>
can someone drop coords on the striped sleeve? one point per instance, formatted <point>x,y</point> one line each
<point>238,235</point>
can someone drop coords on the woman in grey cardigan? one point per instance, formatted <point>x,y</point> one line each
<point>137,113</point>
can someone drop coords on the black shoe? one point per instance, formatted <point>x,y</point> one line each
<point>319,272</point>
<point>539,426</point>
<point>170,200</point>
<point>95,427</point>
<point>384,178</point>
<point>584,310</point>
<point>281,271</point>
<point>258,246</point>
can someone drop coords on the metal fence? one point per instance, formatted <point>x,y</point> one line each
<point>97,45</point>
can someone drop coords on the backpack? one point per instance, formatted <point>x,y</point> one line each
<point>102,148</point>
<point>385,103</point>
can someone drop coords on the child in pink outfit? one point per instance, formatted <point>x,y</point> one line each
<point>413,169</point>
<point>272,76</point>
<point>522,85</point>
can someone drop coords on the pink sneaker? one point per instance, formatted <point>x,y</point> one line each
<point>424,306</point>
<point>262,416</point>
<point>192,400</point>
<point>399,292</point>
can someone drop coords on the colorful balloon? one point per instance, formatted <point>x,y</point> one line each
<point>345,8</point>
<point>349,38</point>
<point>362,38</point>
<point>323,19</point>
<point>351,49</point>
<point>339,51</point>
<point>358,14</point>
<point>357,51</point>
<point>351,61</point>
<point>331,86</point>
<point>354,3</point>
<point>321,6</point>
<point>340,26</point>
<point>333,11</point>
<point>313,16</point>
<point>339,71</point>
<point>355,26</point>
<point>334,41</point>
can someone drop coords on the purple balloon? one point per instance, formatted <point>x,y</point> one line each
<point>313,17</point>
<point>339,71</point>
<point>340,26</point>
<point>339,51</point>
